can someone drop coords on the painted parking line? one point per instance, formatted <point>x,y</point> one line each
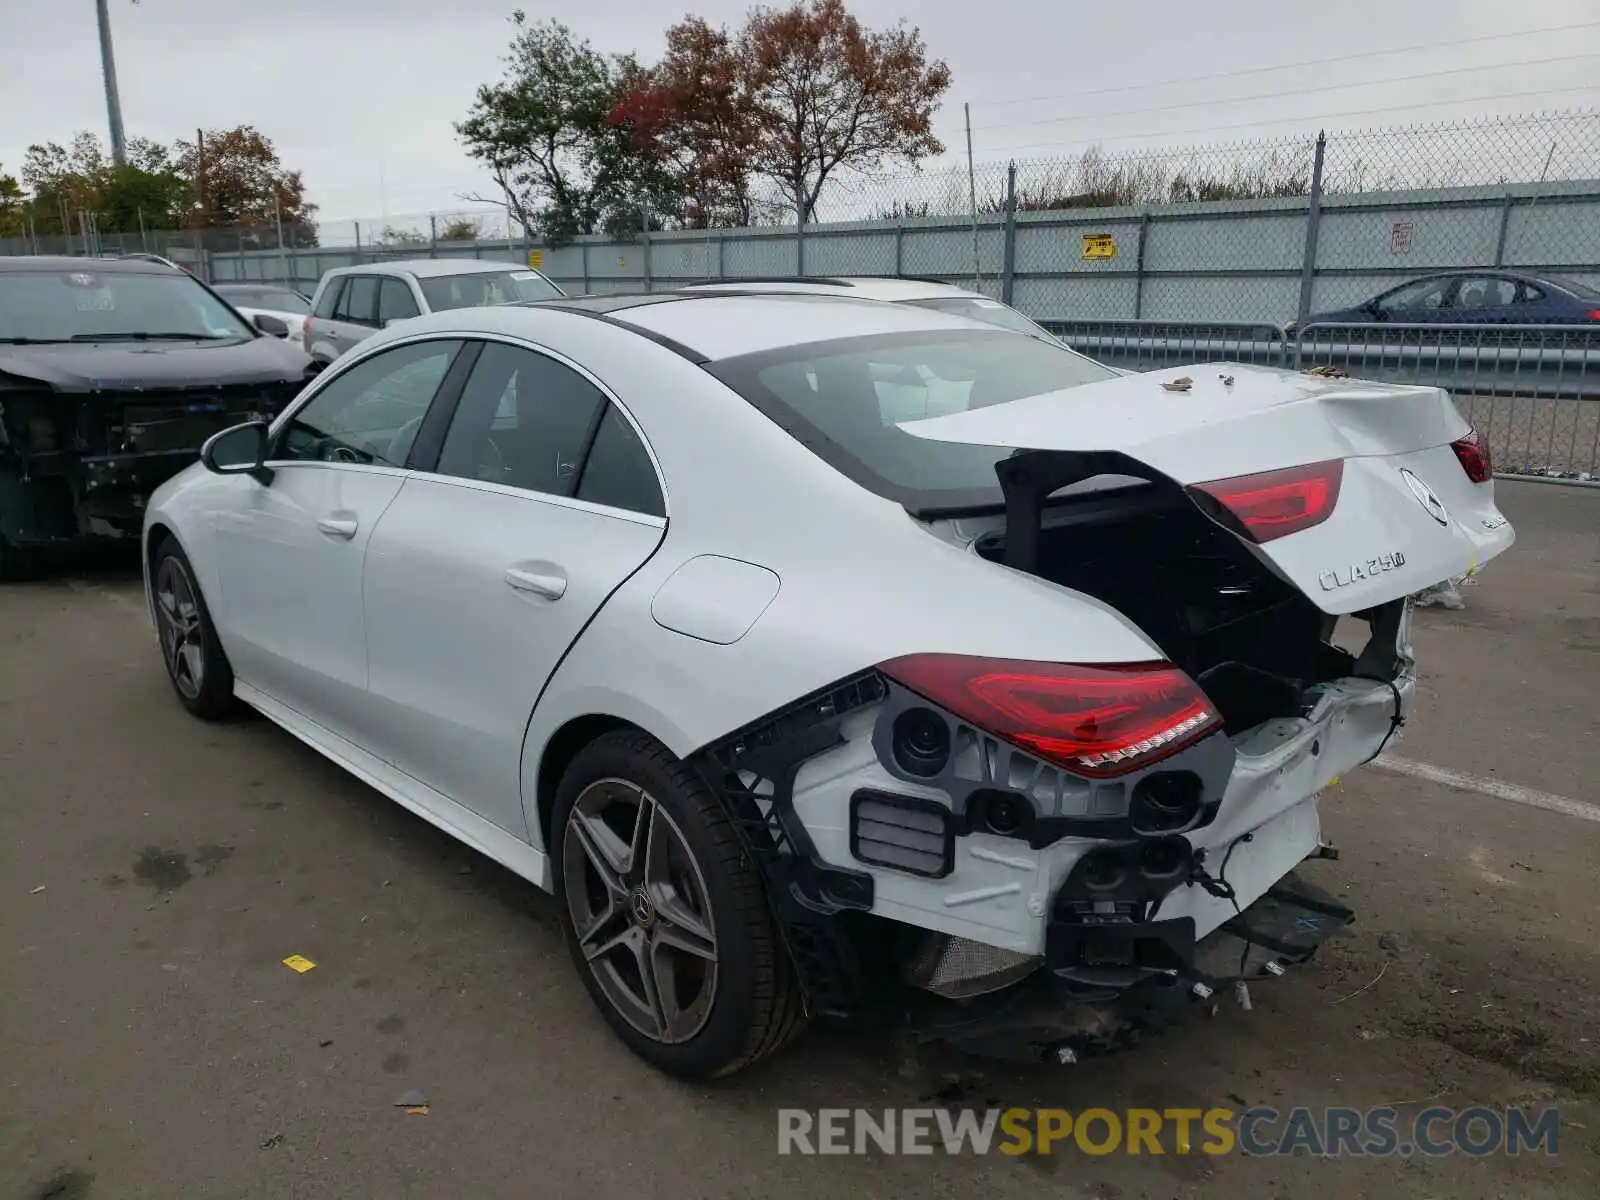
<point>1529,797</point>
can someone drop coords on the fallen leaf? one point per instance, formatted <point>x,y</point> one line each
<point>1181,384</point>
<point>298,963</point>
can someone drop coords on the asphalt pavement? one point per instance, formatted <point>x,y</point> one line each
<point>155,872</point>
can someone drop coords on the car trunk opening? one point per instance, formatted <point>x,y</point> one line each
<point>1254,642</point>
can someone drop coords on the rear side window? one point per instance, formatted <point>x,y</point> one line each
<point>395,301</point>
<point>845,400</point>
<point>523,421</point>
<point>329,300</point>
<point>618,471</point>
<point>359,304</point>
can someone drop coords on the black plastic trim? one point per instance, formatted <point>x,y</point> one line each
<point>807,896</point>
<point>429,442</point>
<point>651,335</point>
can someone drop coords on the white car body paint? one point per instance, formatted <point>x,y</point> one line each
<point>400,651</point>
<point>715,599</point>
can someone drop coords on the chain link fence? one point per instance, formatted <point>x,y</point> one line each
<point>1244,251</point>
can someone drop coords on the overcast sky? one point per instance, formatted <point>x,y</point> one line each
<point>362,94</point>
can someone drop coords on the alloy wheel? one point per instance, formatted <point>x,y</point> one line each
<point>178,620</point>
<point>640,910</point>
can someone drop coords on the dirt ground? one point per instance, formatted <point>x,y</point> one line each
<point>156,871</point>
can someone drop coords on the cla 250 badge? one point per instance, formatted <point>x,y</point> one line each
<point>1356,572</point>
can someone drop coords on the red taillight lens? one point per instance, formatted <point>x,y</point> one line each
<point>1594,314</point>
<point>1098,721</point>
<point>1275,504</point>
<point>1473,453</point>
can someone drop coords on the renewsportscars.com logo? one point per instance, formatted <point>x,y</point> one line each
<point>1256,1132</point>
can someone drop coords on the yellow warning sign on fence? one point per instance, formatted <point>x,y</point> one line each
<point>1099,245</point>
<point>536,259</point>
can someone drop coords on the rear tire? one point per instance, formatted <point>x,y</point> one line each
<point>16,562</point>
<point>665,915</point>
<point>196,666</point>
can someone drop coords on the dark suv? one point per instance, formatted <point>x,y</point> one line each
<point>112,375</point>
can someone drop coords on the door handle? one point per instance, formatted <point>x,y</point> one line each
<point>550,586</point>
<point>339,527</point>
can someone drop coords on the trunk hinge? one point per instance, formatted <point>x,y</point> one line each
<point>1029,477</point>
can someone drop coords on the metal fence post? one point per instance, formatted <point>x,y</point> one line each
<point>722,252</point>
<point>1505,225</point>
<point>1308,261</point>
<point>583,255</point>
<point>800,246</point>
<point>1008,253</point>
<point>433,236</point>
<point>899,247</point>
<point>644,237</point>
<point>357,224</point>
<point>1138,266</point>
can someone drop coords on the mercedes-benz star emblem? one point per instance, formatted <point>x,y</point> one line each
<point>643,911</point>
<point>1425,496</point>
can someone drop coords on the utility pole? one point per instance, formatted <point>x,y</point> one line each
<point>108,67</point>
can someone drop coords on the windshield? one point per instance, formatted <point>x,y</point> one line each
<point>91,306</point>
<point>275,299</point>
<point>846,400</point>
<point>990,312</point>
<point>486,287</point>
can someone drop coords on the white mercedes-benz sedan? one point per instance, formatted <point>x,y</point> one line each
<point>835,658</point>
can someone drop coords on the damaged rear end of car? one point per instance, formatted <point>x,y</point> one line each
<point>1041,859</point>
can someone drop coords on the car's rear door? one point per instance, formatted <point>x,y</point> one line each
<point>1485,299</point>
<point>541,501</point>
<point>355,317</point>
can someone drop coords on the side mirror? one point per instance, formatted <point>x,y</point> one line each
<point>271,325</point>
<point>240,450</point>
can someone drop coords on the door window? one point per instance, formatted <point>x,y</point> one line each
<point>523,421</point>
<point>371,412</point>
<point>1485,293</point>
<point>395,301</point>
<point>329,300</point>
<point>359,303</point>
<point>1422,296</point>
<point>618,471</point>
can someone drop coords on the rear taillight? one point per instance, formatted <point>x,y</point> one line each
<point>1594,314</point>
<point>1097,721</point>
<point>1274,504</point>
<point>1473,453</point>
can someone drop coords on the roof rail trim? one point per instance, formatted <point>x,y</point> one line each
<point>825,280</point>
<point>659,339</point>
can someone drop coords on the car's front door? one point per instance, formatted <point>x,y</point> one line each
<point>290,551</point>
<point>483,571</point>
<point>1424,302</point>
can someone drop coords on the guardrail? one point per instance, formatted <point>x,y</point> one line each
<point>1534,390</point>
